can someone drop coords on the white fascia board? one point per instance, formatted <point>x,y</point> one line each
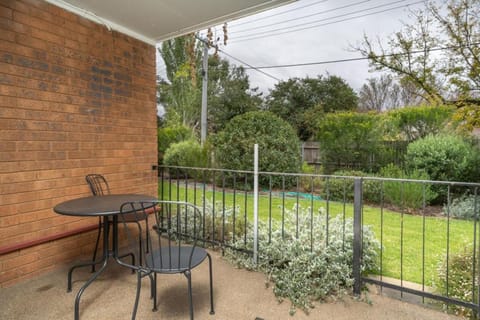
<point>107,23</point>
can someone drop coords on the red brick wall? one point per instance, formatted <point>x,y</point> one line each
<point>75,98</point>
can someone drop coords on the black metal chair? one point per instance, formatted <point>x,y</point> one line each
<point>172,245</point>
<point>99,186</point>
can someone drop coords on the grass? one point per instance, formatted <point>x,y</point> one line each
<point>413,245</point>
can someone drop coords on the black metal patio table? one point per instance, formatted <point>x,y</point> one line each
<point>107,207</point>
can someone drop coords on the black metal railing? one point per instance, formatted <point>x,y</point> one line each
<point>427,231</point>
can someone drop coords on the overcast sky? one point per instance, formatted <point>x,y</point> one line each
<point>309,31</point>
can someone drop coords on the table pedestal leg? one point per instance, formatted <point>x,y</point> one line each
<point>96,274</point>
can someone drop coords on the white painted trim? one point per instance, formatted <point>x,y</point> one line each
<point>107,23</point>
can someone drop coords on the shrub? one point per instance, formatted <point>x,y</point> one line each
<point>187,153</point>
<point>464,207</point>
<point>216,225</point>
<point>309,183</point>
<point>348,138</point>
<point>444,157</point>
<point>466,119</point>
<point>413,123</point>
<point>340,189</point>
<point>459,279</point>
<point>304,268</point>
<point>408,194</point>
<point>169,135</point>
<point>279,147</point>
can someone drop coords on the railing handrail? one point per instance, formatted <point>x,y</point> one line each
<point>293,174</point>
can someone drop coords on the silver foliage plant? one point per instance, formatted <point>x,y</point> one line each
<point>303,260</point>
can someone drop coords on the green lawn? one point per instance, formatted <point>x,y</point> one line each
<point>411,255</point>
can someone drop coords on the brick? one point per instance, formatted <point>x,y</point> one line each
<point>7,35</point>
<point>6,12</point>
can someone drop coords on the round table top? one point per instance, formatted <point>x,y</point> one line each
<point>98,205</point>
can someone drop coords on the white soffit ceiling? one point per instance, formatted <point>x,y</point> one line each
<point>157,20</point>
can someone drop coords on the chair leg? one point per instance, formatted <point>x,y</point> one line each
<point>212,311</point>
<point>154,291</point>
<point>190,297</point>
<point>137,296</point>
<point>140,247</point>
<point>96,243</point>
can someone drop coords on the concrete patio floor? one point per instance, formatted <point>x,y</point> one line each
<point>238,294</point>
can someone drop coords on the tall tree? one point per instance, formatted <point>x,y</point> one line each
<point>439,53</point>
<point>384,93</point>
<point>229,93</point>
<point>179,93</point>
<point>301,101</point>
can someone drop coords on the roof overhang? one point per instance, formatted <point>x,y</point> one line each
<point>153,21</point>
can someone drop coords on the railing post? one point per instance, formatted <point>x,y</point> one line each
<point>357,236</point>
<point>255,204</point>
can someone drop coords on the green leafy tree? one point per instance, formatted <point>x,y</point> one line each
<point>229,93</point>
<point>466,119</point>
<point>302,101</point>
<point>179,93</point>
<point>439,53</point>
<point>413,123</point>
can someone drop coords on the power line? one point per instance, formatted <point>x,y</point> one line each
<point>265,34</point>
<point>302,17</point>
<point>359,58</point>
<point>333,17</point>
<point>280,13</point>
<point>249,65</point>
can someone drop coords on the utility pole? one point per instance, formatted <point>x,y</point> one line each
<point>203,119</point>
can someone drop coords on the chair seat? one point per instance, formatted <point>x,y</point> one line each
<point>175,259</point>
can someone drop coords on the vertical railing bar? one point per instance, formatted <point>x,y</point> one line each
<point>195,190</point>
<point>382,216</point>
<point>235,206</point>
<point>186,187</point>
<point>448,239</point>
<point>255,203</point>
<point>297,208</point>
<point>178,184</point>
<point>402,216</point>
<point>424,205</point>
<point>474,244</point>
<point>245,209</point>
<point>475,255</point>
<point>357,236</point>
<point>270,185</point>
<point>283,207</point>
<point>204,207</point>
<point>162,182</point>
<point>223,207</point>
<point>169,185</point>
<point>214,190</point>
<point>327,216</point>
<point>186,200</point>
<point>311,211</point>
<point>344,213</point>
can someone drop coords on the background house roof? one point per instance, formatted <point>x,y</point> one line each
<point>157,20</point>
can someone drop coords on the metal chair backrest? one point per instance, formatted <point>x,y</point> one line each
<point>172,246</point>
<point>98,184</point>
